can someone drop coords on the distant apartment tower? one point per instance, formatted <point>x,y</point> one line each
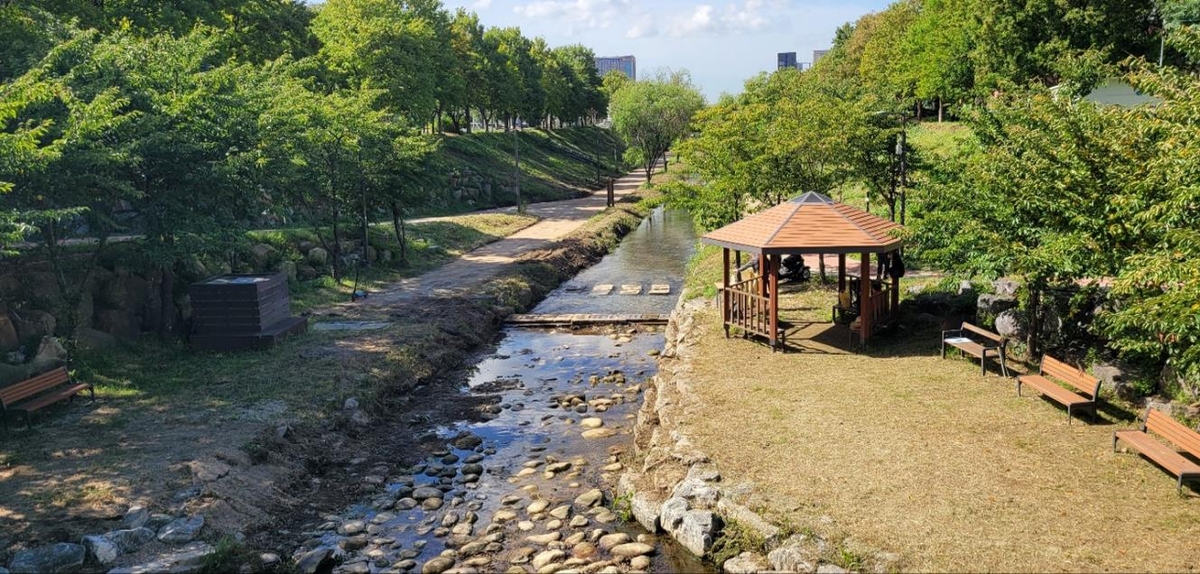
<point>818,54</point>
<point>787,60</point>
<point>625,64</point>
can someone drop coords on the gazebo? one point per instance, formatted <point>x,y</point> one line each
<point>813,224</point>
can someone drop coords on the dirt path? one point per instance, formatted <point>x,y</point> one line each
<point>558,218</point>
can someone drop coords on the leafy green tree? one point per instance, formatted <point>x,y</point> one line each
<point>388,45</point>
<point>651,115</point>
<point>936,52</point>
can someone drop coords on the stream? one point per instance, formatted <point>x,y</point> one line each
<point>531,489</point>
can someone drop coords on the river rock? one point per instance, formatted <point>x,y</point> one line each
<point>431,504</point>
<point>182,530</point>
<point>100,550</point>
<point>746,563</point>
<point>583,550</point>
<point>502,516</point>
<point>827,568</point>
<point>547,557</point>
<point>671,513</point>
<point>353,543</point>
<point>631,549</point>
<point>522,555</point>
<point>406,503</point>
<point>544,539</point>
<point>437,565</point>
<point>606,516</point>
<point>699,493</point>
<point>186,560</point>
<point>472,468</point>
<point>645,510</point>
<point>525,525</point>
<point>610,540</point>
<point>598,433</point>
<point>61,557</point>
<point>426,492</point>
<point>578,522</point>
<point>590,498</point>
<point>537,506</point>
<point>313,560</point>
<point>467,441</point>
<point>561,512</point>
<point>351,527</point>
<point>592,423</point>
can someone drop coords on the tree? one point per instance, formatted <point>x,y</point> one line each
<point>651,115</point>
<point>936,52</point>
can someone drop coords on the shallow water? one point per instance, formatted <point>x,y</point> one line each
<point>533,424</point>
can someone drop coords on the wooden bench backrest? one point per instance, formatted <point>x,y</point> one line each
<point>982,332</point>
<point>31,387</point>
<point>1082,381</point>
<point>1163,425</point>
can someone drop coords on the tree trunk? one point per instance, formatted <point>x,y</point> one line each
<point>336,253</point>
<point>918,110</point>
<point>821,267</point>
<point>1032,337</point>
<point>398,227</point>
<point>166,323</point>
<point>468,114</point>
<point>941,109</point>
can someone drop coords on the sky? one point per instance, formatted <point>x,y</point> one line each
<point>721,42</point>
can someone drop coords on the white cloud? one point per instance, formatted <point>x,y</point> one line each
<point>734,18</point>
<point>481,5</point>
<point>578,14</point>
<point>643,28</point>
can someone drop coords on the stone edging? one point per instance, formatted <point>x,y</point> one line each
<point>674,488</point>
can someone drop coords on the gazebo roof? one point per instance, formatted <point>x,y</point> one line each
<point>811,223</point>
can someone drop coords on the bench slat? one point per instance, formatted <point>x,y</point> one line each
<point>1170,429</point>
<point>51,398</point>
<point>974,349</point>
<point>1174,462</point>
<point>1070,375</point>
<point>1050,388</point>
<point>982,332</point>
<point>31,387</point>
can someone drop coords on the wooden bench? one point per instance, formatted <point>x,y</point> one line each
<point>1170,459</point>
<point>977,342</point>
<point>39,392</point>
<point>1088,387</point>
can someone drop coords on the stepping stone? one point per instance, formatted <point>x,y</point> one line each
<point>635,289</point>
<point>603,289</point>
<point>660,289</point>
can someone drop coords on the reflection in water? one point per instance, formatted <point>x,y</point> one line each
<point>655,253</point>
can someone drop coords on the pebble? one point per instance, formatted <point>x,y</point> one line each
<point>640,563</point>
<point>591,423</point>
<point>525,526</point>
<point>561,512</point>
<point>614,467</point>
<point>590,498</point>
<point>554,524</point>
<point>352,527</point>
<point>431,504</point>
<point>578,522</point>
<point>406,503</point>
<point>522,555</point>
<point>437,565</point>
<point>544,539</point>
<point>537,506</point>
<point>502,516</point>
<point>631,549</point>
<point>606,517</point>
<point>526,472</point>
<point>608,541</point>
<point>598,433</point>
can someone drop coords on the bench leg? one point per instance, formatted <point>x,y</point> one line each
<point>983,363</point>
<point>1114,441</point>
<point>1179,486</point>
<point>1068,414</point>
<point>943,347</point>
<point>1018,387</point>
<point>1003,367</point>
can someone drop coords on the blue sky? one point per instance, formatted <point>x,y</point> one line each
<point>721,42</point>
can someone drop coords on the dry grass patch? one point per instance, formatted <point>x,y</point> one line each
<point>900,451</point>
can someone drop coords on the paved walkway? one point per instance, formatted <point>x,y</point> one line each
<point>557,219</point>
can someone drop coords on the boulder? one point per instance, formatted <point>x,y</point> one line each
<point>61,557</point>
<point>317,256</point>
<point>86,309</point>
<point>182,530</point>
<point>988,305</point>
<point>697,492</point>
<point>372,254</point>
<point>8,333</point>
<point>93,340</point>
<point>100,549</point>
<point>645,510</point>
<point>117,322</point>
<point>136,517</point>
<point>1005,286</point>
<point>186,560</point>
<point>670,514</point>
<point>50,354</point>
<point>698,530</point>
<point>746,563</point>
<point>313,560</point>
<point>130,539</point>
<point>288,268</point>
<point>261,253</point>
<point>1115,375</point>
<point>793,556</point>
<point>307,272</point>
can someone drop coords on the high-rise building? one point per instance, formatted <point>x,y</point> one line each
<point>818,54</point>
<point>625,64</point>
<point>786,60</point>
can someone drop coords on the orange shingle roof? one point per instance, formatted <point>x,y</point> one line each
<point>810,223</point>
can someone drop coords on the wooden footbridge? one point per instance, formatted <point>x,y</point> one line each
<point>583,320</point>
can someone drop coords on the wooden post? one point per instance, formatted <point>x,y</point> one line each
<point>841,272</point>
<point>895,307</point>
<point>864,298</point>
<point>764,267</point>
<point>725,291</point>
<point>611,191</point>
<point>737,262</point>
<point>774,326</point>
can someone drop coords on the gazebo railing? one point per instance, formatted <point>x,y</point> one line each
<point>745,307</point>
<point>879,307</point>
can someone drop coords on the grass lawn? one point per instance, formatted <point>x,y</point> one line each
<point>897,450</point>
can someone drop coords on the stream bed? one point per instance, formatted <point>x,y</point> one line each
<point>531,488</point>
